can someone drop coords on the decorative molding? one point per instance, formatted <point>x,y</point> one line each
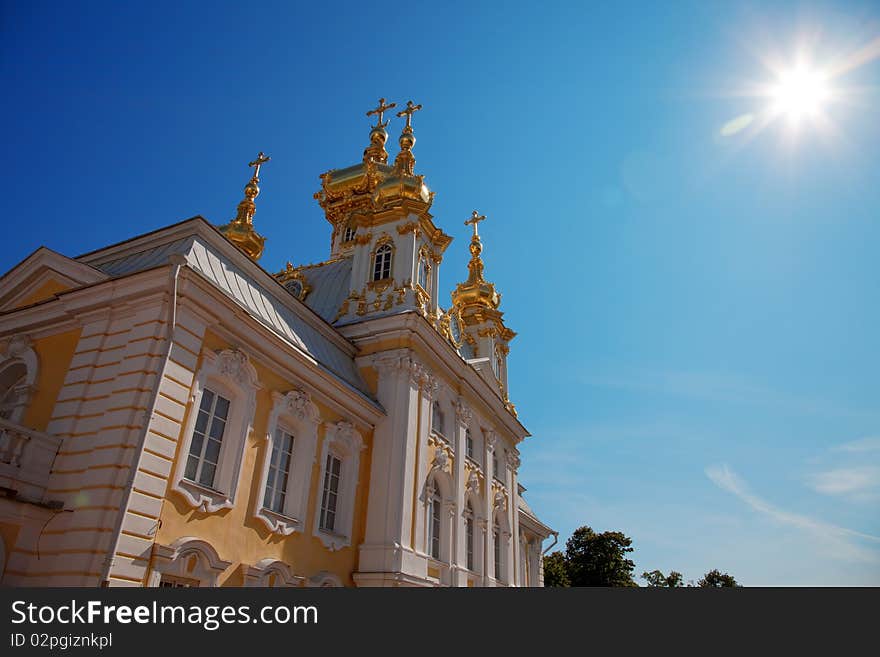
<point>296,413</point>
<point>298,404</point>
<point>230,372</point>
<point>463,412</point>
<point>346,443</point>
<point>259,574</point>
<point>175,559</point>
<point>324,579</point>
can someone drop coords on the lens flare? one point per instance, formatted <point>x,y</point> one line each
<point>799,93</point>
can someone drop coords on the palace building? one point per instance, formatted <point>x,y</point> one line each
<point>172,414</point>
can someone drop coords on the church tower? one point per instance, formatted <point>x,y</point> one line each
<point>485,338</point>
<point>381,219</point>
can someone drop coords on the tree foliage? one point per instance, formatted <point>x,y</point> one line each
<point>656,579</point>
<point>591,559</point>
<point>716,579</point>
<point>556,570</point>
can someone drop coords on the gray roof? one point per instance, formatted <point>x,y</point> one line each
<point>331,284</point>
<point>281,317</point>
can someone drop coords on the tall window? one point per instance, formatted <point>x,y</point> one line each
<point>382,264</point>
<point>495,467</point>
<point>496,540</point>
<point>469,535</point>
<point>204,450</point>
<point>279,471</point>
<point>424,273</point>
<point>349,233</point>
<point>437,419</point>
<point>434,526</point>
<point>469,443</point>
<point>331,493</point>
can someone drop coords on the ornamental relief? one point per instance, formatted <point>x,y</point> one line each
<point>298,404</point>
<point>234,364</point>
<point>444,458</point>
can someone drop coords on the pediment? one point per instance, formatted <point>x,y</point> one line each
<point>40,276</point>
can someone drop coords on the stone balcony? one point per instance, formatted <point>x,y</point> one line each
<point>26,458</point>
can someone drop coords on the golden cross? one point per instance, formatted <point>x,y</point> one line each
<point>476,218</point>
<point>380,111</point>
<point>260,161</point>
<point>410,109</point>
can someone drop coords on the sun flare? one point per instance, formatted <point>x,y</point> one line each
<point>799,93</point>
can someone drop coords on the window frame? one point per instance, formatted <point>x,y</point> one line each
<point>379,272</point>
<point>344,442</point>
<point>228,373</point>
<point>296,414</point>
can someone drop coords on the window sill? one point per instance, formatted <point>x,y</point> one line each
<point>202,497</point>
<point>332,540</point>
<point>278,523</point>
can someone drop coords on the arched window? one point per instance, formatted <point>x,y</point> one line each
<point>349,233</point>
<point>437,419</point>
<point>469,535</point>
<point>11,379</point>
<point>382,264</point>
<point>496,543</point>
<point>434,511</point>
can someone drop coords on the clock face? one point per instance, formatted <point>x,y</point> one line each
<point>455,329</point>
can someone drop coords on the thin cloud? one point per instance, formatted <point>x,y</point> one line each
<point>847,481</point>
<point>869,444</point>
<point>718,387</point>
<point>840,541</point>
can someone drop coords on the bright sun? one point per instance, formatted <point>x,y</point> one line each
<point>799,93</point>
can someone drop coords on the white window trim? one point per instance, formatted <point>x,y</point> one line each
<point>258,575</point>
<point>499,516</point>
<point>20,350</point>
<point>230,374</point>
<point>296,414</point>
<point>343,441</point>
<point>324,579</point>
<point>439,481</point>
<point>174,559</point>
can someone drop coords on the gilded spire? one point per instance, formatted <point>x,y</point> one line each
<point>376,150</point>
<point>405,162</point>
<point>240,231</point>
<point>476,291</point>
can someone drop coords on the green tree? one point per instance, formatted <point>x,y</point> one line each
<point>599,559</point>
<point>556,570</point>
<point>656,579</point>
<point>716,579</point>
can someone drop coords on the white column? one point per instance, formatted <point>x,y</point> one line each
<point>489,441</point>
<point>392,468</point>
<point>428,389</point>
<point>513,463</point>
<point>459,556</point>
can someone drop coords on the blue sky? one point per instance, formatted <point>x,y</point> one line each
<point>697,313</point>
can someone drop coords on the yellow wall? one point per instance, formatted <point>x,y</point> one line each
<point>47,290</point>
<point>238,536</point>
<point>54,353</point>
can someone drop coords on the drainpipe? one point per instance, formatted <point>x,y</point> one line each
<point>176,261</point>
<point>553,544</point>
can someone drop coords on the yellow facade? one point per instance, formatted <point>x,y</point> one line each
<point>104,368</point>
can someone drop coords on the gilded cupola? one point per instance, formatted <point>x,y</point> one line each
<point>240,231</point>
<point>476,291</point>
